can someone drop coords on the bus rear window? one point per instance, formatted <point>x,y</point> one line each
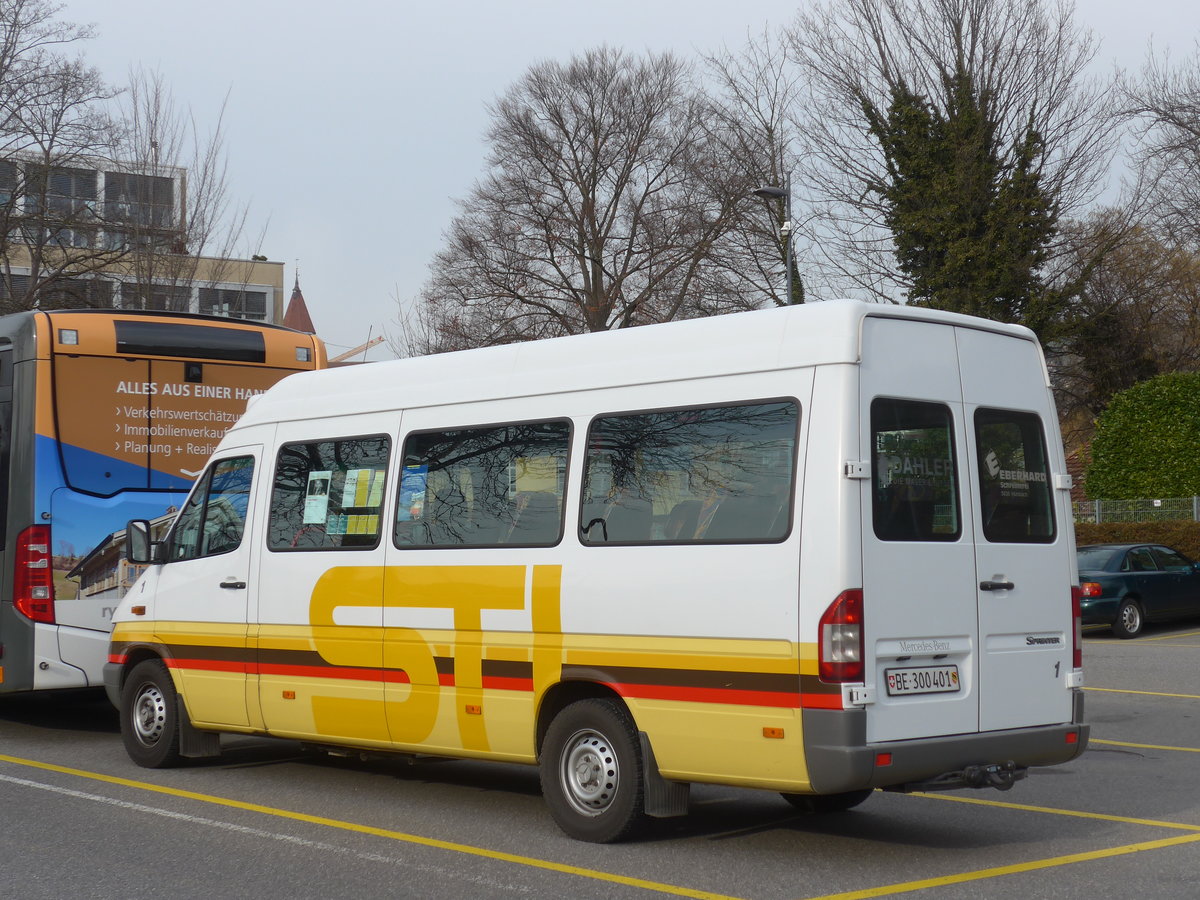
<point>190,341</point>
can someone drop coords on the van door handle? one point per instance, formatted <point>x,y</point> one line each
<point>996,585</point>
<point>234,585</point>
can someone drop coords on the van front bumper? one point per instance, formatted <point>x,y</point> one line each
<point>840,759</point>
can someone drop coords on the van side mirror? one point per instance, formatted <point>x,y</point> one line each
<point>139,548</point>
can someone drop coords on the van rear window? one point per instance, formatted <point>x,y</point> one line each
<point>1014,477</point>
<point>914,471</point>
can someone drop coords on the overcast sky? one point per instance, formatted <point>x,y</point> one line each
<point>353,127</point>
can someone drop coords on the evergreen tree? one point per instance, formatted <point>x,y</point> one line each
<point>970,223</point>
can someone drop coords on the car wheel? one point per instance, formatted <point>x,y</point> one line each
<point>1129,620</point>
<point>827,803</point>
<point>591,771</point>
<point>150,716</point>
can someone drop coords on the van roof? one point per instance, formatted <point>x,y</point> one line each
<point>779,338</point>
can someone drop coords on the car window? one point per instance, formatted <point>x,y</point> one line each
<point>1139,559</point>
<point>1094,558</point>
<point>214,518</point>
<point>1170,560</point>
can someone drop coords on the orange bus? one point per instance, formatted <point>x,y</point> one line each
<point>107,415</point>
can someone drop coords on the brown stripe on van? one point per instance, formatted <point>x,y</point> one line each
<point>771,682</point>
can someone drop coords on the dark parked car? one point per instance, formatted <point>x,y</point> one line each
<point>1128,585</point>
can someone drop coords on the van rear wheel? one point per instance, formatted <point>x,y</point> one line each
<point>827,803</point>
<point>591,772</point>
<point>150,716</point>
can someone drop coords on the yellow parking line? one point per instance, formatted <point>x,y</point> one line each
<point>1144,746</point>
<point>532,862</point>
<point>1168,637</point>
<point>996,871</point>
<point>1072,813</point>
<point>1143,693</point>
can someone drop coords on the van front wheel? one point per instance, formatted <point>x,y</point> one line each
<point>827,803</point>
<point>150,716</point>
<point>591,771</point>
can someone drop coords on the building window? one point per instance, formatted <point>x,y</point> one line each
<point>139,200</point>
<point>169,297</point>
<point>234,304</point>
<point>69,194</point>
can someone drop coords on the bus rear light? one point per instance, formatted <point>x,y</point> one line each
<point>33,577</point>
<point>841,648</point>
<point>1077,626</point>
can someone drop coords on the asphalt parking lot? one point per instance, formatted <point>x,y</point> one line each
<point>269,821</point>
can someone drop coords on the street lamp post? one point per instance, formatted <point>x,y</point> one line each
<point>770,192</point>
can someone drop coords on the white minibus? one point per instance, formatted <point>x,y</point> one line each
<point>818,550</point>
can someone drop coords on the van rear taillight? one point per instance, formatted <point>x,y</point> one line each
<point>33,576</point>
<point>1077,593</point>
<point>841,650</point>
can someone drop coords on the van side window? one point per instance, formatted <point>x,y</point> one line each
<point>1014,477</point>
<point>214,517</point>
<point>914,471</point>
<point>695,475</point>
<point>483,487</point>
<point>328,495</point>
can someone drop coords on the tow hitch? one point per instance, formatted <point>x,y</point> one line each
<point>1001,776</point>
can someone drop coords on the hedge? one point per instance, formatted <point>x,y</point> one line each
<point>1183,535</point>
<point>1147,442</point>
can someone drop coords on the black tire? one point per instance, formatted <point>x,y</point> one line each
<point>150,716</point>
<point>1129,621</point>
<point>827,803</point>
<point>591,770</point>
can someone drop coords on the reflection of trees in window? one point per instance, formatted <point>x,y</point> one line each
<point>915,494</point>
<point>1015,490</point>
<point>235,303</point>
<point>483,486</point>
<point>214,518</point>
<point>674,475</point>
<point>139,200</point>
<point>340,524</point>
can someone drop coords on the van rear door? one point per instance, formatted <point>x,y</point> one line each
<point>920,620</point>
<point>966,587</point>
<point>1023,561</point>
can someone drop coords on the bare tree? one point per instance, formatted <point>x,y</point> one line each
<point>53,125</point>
<point>756,95</point>
<point>1137,315</point>
<point>1024,61</point>
<point>605,206</point>
<point>1164,103</point>
<point>175,220</point>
